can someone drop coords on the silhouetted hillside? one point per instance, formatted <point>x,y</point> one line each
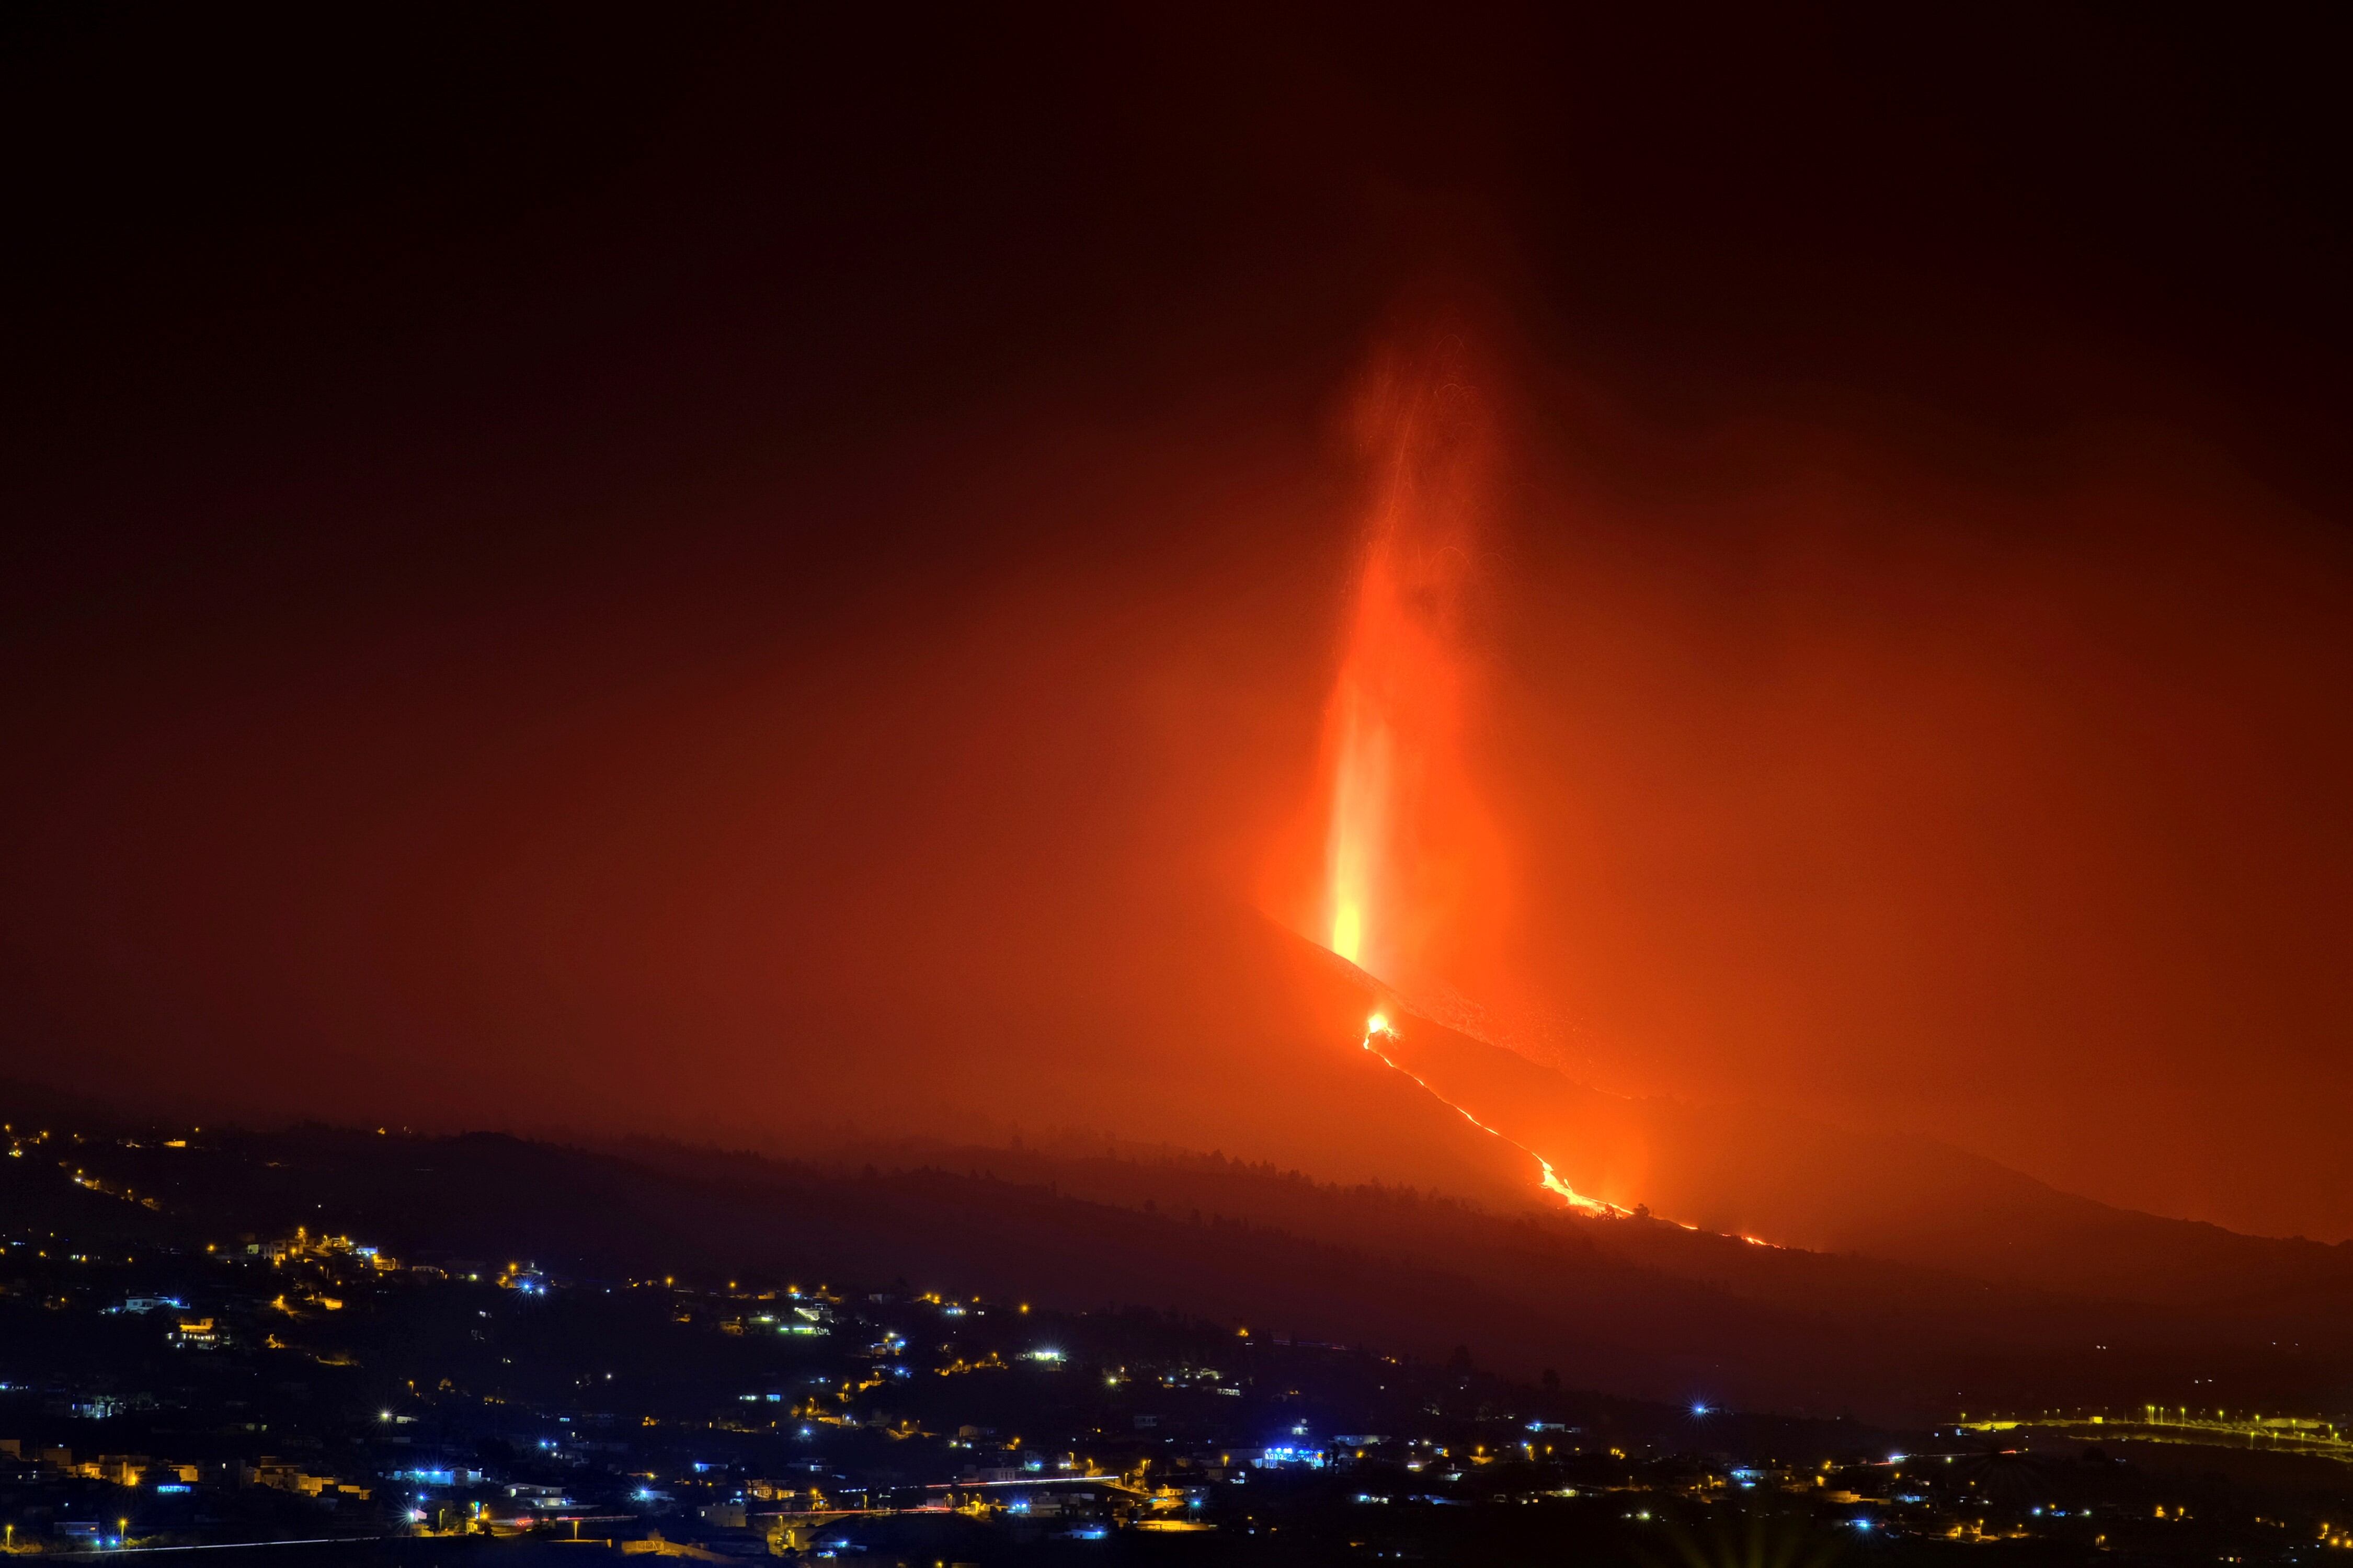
<point>1636,1307</point>
<point>1749,1170</point>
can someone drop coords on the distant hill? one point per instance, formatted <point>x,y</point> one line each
<point>1302,1184</point>
<point>1748,1170</point>
<point>1230,1034</point>
<point>1634,1307</point>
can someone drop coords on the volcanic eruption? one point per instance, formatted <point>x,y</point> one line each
<point>1408,846</point>
<point>1410,853</point>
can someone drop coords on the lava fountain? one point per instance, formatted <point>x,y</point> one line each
<point>1408,847</point>
<point>1414,872</point>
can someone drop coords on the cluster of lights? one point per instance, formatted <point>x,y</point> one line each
<point>1285,1454</point>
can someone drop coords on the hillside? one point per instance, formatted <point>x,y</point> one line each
<point>1750,1169</point>
<point>1633,1307</point>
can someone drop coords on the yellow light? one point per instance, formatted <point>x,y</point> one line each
<point>1347,932</point>
<point>1379,1024</point>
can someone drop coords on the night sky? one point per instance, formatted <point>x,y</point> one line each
<point>739,572</point>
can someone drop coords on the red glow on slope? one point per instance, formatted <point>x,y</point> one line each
<point>1377,1027</point>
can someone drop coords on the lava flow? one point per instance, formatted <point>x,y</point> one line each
<point>1377,1027</point>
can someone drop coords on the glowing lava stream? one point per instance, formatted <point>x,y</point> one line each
<point>1377,1027</point>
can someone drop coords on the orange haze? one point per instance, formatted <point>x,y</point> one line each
<point>765,569</point>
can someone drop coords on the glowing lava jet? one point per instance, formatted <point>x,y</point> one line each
<point>1408,849</point>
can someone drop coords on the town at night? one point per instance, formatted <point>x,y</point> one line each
<point>334,1392</point>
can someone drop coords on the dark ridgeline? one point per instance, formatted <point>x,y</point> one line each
<point>229,1335</point>
<point>1636,1306</point>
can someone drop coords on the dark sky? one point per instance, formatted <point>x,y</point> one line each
<point>739,566</point>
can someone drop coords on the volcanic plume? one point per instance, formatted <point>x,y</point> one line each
<point>1409,848</point>
<point>1411,855</point>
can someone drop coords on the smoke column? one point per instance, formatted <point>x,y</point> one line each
<point>1409,847</point>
